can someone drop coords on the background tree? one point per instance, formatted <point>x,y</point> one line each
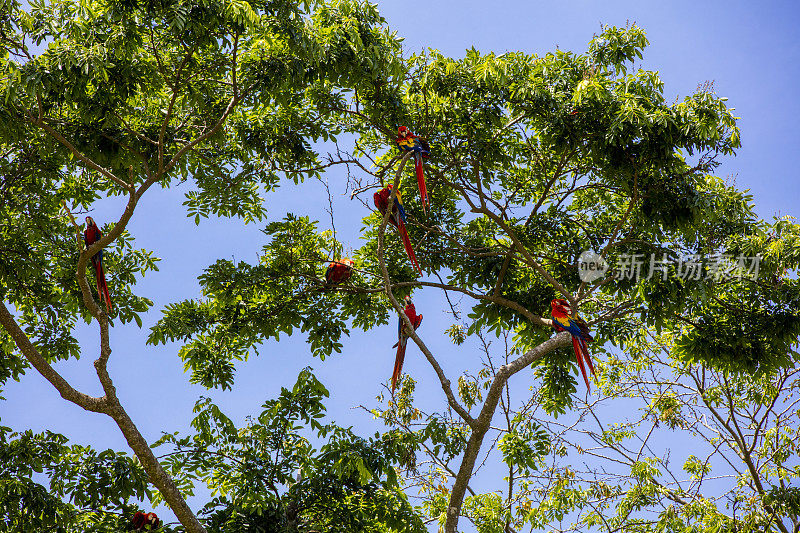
<point>283,471</point>
<point>131,94</point>
<point>536,159</point>
<point>695,450</point>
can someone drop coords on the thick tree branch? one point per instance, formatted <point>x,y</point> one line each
<point>81,156</point>
<point>158,477</point>
<point>505,302</point>
<point>29,351</point>
<point>483,422</point>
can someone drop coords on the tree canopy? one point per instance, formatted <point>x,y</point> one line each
<point>535,159</point>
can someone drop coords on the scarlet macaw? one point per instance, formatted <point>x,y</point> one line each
<point>141,521</point>
<point>563,321</point>
<point>397,218</point>
<point>408,142</point>
<point>90,236</point>
<point>339,271</point>
<point>402,338</point>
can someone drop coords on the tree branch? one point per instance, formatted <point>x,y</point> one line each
<point>29,351</point>
<point>445,383</point>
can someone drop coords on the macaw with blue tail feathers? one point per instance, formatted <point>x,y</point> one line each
<point>563,321</point>
<point>408,142</point>
<point>397,218</point>
<point>402,338</point>
<point>90,236</point>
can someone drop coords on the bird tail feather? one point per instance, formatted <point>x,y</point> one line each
<point>398,363</point>
<point>401,228</point>
<point>102,286</point>
<point>586,356</point>
<point>576,345</point>
<point>423,190</point>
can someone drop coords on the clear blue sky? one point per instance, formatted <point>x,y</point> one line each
<point>751,51</point>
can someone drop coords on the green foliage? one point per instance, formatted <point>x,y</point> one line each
<point>88,490</point>
<point>285,469</point>
<point>524,446</point>
<point>40,238</point>
<point>535,159</point>
<point>271,476</point>
<point>553,155</point>
<point>747,326</point>
<point>487,512</point>
<point>447,440</point>
<point>558,384</point>
<point>248,305</point>
<point>784,499</point>
<point>668,410</point>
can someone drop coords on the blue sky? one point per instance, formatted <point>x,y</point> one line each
<point>750,50</point>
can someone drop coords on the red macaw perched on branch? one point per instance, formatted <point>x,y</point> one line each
<point>397,218</point>
<point>402,338</point>
<point>563,321</point>
<point>90,236</point>
<point>408,142</point>
<point>339,271</point>
<point>141,521</point>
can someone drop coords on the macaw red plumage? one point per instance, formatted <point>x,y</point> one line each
<point>339,271</point>
<point>90,236</point>
<point>397,218</point>
<point>141,521</point>
<point>402,338</point>
<point>408,142</point>
<point>563,321</point>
